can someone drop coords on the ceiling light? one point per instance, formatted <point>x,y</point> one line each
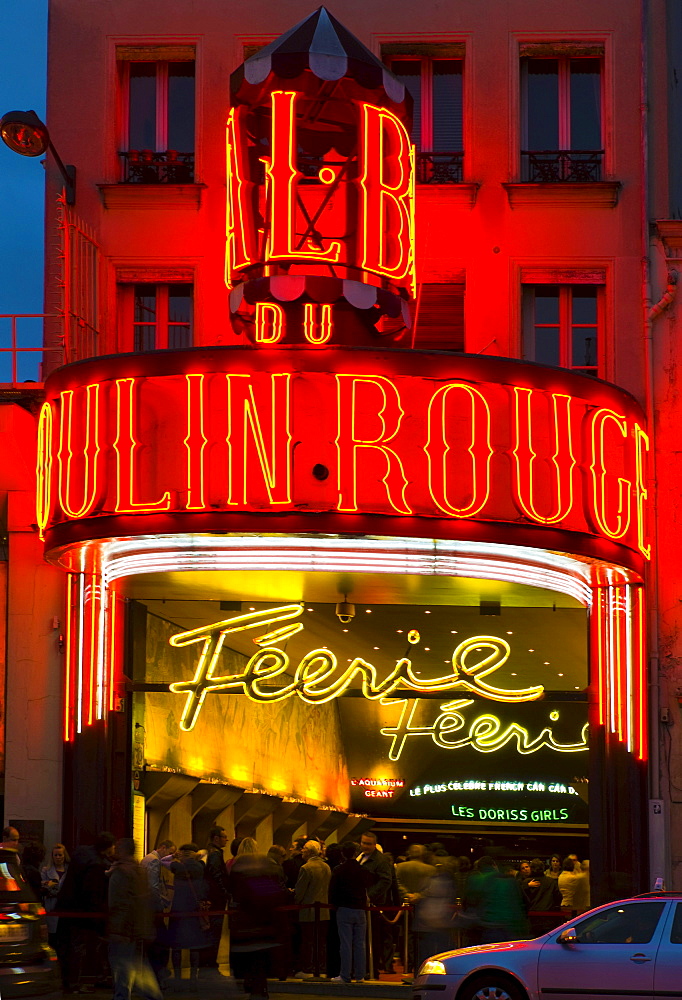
<point>368,611</point>
<point>510,633</point>
<point>376,647</point>
<point>399,631</point>
<point>309,609</point>
<point>427,612</point>
<point>514,675</point>
<point>453,631</point>
<point>531,650</point>
<point>560,675</point>
<point>427,648</point>
<point>344,629</point>
<point>546,663</point>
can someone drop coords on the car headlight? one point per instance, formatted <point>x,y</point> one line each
<point>432,967</point>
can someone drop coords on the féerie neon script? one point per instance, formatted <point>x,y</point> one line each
<point>318,678</point>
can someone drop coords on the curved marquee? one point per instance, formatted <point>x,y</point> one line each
<point>342,441</point>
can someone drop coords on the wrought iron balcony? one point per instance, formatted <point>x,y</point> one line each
<point>551,166</point>
<point>143,166</point>
<point>440,168</point>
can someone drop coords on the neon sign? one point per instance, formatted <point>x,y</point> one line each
<point>316,678</point>
<point>281,220</point>
<point>486,733</point>
<point>378,788</point>
<point>494,785</point>
<point>511,815</point>
<point>453,438</point>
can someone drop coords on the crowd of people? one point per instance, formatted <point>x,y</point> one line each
<point>313,909</point>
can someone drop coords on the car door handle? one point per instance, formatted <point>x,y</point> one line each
<point>639,958</point>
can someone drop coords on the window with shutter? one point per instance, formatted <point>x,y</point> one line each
<point>436,85</point>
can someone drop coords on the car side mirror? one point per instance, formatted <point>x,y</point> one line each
<point>568,936</point>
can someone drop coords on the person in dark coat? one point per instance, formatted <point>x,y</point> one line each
<point>31,860</point>
<point>257,893</point>
<point>130,923</point>
<point>85,889</point>
<point>292,865</point>
<point>541,893</point>
<point>282,956</point>
<point>333,857</point>
<point>348,892</point>
<point>217,881</point>
<point>190,895</point>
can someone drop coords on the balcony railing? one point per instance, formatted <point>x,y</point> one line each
<point>440,168</point>
<point>560,165</point>
<point>143,166</point>
<point>21,347</point>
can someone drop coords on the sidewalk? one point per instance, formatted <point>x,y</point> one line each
<point>318,989</point>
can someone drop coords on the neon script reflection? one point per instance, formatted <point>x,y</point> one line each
<point>318,679</point>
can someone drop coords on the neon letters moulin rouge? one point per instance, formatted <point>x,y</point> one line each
<point>344,434</point>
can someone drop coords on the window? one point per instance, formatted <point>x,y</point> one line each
<point>158,139</point>
<point>439,322</point>
<point>156,316</point>
<point>435,83</point>
<point>676,929</point>
<point>561,325</point>
<point>628,923</point>
<point>562,133</point>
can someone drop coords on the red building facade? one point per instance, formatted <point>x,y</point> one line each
<point>346,325</point>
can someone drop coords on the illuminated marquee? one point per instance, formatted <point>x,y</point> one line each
<point>447,438</point>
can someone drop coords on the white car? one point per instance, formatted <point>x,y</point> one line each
<point>629,949</point>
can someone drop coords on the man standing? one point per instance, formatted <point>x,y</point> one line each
<point>84,890</point>
<point>130,923</point>
<point>160,894</point>
<point>312,886</point>
<point>217,883</point>
<point>348,892</point>
<point>379,893</point>
<point>414,876</point>
<point>10,838</point>
<point>293,863</point>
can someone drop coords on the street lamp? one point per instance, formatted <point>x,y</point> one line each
<point>26,134</point>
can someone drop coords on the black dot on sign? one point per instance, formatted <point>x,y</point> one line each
<point>320,472</point>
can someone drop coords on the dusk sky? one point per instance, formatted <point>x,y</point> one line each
<point>22,87</point>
